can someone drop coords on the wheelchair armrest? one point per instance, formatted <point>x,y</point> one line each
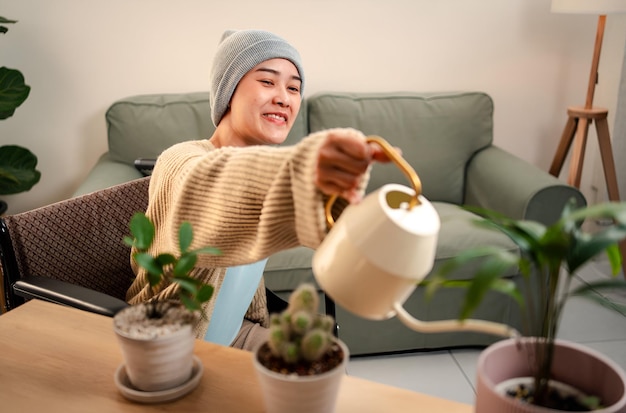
<point>61,292</point>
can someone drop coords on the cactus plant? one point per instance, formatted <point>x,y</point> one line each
<point>301,338</point>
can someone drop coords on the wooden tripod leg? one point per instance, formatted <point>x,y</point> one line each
<point>606,154</point>
<point>578,156</point>
<point>566,141</point>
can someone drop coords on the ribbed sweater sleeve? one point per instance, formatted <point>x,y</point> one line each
<point>249,202</point>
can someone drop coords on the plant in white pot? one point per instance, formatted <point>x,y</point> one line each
<point>301,365</point>
<point>156,337</point>
<point>549,256</point>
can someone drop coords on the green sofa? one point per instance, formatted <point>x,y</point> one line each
<point>446,137</point>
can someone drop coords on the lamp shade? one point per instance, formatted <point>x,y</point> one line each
<point>589,6</point>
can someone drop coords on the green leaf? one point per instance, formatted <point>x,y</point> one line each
<point>205,293</point>
<point>150,264</point>
<point>185,264</point>
<point>188,284</point>
<point>485,279</point>
<point>494,262</point>
<point>142,230</point>
<point>166,259</point>
<point>5,20</point>
<point>615,211</point>
<point>13,91</point>
<point>615,258</point>
<point>190,303</point>
<point>185,236</point>
<point>18,171</point>
<point>154,279</point>
<point>587,246</point>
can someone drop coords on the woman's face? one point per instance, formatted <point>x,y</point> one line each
<point>265,104</point>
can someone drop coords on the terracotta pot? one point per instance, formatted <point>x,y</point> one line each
<point>574,365</point>
<point>159,361</point>
<point>302,394</point>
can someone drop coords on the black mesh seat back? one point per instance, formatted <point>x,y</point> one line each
<point>79,240</point>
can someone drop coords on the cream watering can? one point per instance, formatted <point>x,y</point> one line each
<point>380,249</point>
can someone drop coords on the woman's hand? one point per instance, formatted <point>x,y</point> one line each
<point>342,160</point>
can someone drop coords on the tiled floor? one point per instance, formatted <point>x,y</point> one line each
<point>451,374</point>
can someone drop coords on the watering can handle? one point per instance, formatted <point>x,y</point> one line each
<point>399,161</point>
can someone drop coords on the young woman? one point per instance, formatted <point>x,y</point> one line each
<point>241,193</point>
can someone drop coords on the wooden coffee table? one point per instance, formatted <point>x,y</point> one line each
<point>59,359</point>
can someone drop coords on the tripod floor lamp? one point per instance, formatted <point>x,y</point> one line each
<point>581,117</point>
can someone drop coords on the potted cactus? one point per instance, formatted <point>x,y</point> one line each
<point>301,365</point>
<point>156,337</point>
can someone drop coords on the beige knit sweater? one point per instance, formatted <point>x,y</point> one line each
<point>249,202</point>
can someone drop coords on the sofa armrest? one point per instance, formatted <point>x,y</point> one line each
<point>61,292</point>
<point>500,181</point>
<point>105,173</point>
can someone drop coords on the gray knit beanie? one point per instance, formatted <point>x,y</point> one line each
<point>238,52</point>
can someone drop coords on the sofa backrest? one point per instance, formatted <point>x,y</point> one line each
<point>438,133</point>
<point>145,125</point>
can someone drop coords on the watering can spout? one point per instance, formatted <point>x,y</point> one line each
<point>444,326</point>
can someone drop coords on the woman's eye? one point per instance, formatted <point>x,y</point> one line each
<point>294,89</point>
<point>266,82</point>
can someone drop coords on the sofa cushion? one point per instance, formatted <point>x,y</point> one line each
<point>438,133</point>
<point>143,126</point>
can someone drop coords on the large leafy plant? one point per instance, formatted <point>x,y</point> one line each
<point>167,267</point>
<point>18,171</point>
<point>549,256</point>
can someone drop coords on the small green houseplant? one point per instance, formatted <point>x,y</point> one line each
<point>550,256</point>
<point>166,267</point>
<point>302,363</point>
<point>156,337</point>
<point>18,171</point>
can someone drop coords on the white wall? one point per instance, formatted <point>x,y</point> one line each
<point>81,55</point>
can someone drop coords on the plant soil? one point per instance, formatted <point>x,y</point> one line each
<point>330,360</point>
<point>153,319</point>
<point>556,399</point>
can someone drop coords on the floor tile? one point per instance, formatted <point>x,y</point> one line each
<point>434,373</point>
<point>586,321</point>
<point>467,360</point>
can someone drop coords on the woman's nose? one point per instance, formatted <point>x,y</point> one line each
<point>282,98</point>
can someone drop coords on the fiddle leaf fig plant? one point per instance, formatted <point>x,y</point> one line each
<point>550,256</point>
<point>167,267</point>
<point>18,171</point>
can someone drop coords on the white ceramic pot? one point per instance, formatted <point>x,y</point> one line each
<point>574,365</point>
<point>156,362</point>
<point>301,394</point>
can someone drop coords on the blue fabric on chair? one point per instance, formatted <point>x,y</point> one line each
<point>233,299</point>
